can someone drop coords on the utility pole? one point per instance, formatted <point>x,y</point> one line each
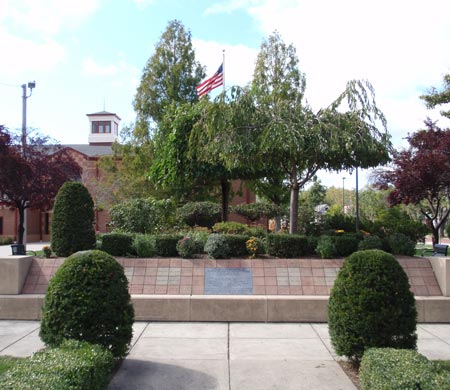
<point>31,85</point>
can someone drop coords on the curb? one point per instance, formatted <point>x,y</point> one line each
<point>224,308</point>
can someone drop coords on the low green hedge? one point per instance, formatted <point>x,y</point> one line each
<point>6,240</point>
<point>287,245</point>
<point>166,244</point>
<point>236,243</point>
<point>347,243</point>
<point>75,365</point>
<point>400,369</point>
<point>117,244</point>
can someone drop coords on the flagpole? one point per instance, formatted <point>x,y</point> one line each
<point>223,69</point>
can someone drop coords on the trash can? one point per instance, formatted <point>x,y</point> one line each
<point>18,249</point>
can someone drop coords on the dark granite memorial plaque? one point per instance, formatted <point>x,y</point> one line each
<point>228,281</point>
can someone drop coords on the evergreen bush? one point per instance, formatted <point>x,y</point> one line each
<point>371,305</point>
<point>236,244</point>
<point>217,246</point>
<point>144,216</point>
<point>399,369</point>
<point>400,244</point>
<point>144,245</point>
<point>166,244</point>
<point>75,365</point>
<point>88,300</point>
<point>117,244</point>
<point>326,247</point>
<point>73,220</point>
<point>286,245</point>
<point>370,242</point>
<point>230,228</point>
<point>204,214</point>
<point>346,243</point>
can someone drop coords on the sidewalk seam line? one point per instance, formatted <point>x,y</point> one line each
<point>15,342</point>
<point>228,358</point>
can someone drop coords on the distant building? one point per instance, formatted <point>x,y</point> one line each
<point>103,132</point>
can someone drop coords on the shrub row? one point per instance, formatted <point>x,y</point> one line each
<point>75,365</point>
<point>399,369</point>
<point>236,234</point>
<point>6,240</point>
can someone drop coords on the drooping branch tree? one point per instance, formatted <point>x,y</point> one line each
<point>421,175</point>
<point>176,168</point>
<point>268,129</point>
<point>31,176</point>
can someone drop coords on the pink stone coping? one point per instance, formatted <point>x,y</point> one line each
<point>176,276</point>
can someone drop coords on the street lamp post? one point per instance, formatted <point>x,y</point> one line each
<point>343,196</point>
<point>31,85</point>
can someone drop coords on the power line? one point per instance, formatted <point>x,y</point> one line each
<point>10,85</point>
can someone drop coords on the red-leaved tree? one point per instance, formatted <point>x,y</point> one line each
<point>421,176</point>
<point>31,175</point>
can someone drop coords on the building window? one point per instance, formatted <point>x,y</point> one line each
<point>101,127</point>
<point>1,225</point>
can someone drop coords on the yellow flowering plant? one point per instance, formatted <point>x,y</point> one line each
<point>252,247</point>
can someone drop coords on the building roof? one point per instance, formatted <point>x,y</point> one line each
<point>104,113</point>
<point>91,150</point>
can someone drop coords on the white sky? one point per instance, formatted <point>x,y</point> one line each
<point>89,54</point>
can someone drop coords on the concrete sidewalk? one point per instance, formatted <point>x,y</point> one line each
<point>227,356</point>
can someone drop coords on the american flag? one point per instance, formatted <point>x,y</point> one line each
<point>209,84</point>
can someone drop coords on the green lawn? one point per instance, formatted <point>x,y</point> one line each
<point>7,362</point>
<point>442,365</point>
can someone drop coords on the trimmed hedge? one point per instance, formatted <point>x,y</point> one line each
<point>286,245</point>
<point>88,300</point>
<point>371,305</point>
<point>346,244</point>
<point>75,365</point>
<point>117,244</point>
<point>237,244</point>
<point>6,240</point>
<point>400,369</point>
<point>144,245</point>
<point>166,244</point>
<point>230,227</point>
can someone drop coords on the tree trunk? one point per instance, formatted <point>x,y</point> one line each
<point>293,213</point>
<point>226,186</point>
<point>20,228</point>
<point>277,220</point>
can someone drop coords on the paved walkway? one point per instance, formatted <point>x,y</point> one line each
<point>228,356</point>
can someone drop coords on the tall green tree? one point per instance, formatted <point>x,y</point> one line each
<point>436,97</point>
<point>170,75</point>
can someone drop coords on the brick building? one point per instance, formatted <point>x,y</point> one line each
<point>103,132</point>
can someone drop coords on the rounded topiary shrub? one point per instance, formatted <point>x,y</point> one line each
<point>88,300</point>
<point>72,220</point>
<point>371,305</point>
<point>217,246</point>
